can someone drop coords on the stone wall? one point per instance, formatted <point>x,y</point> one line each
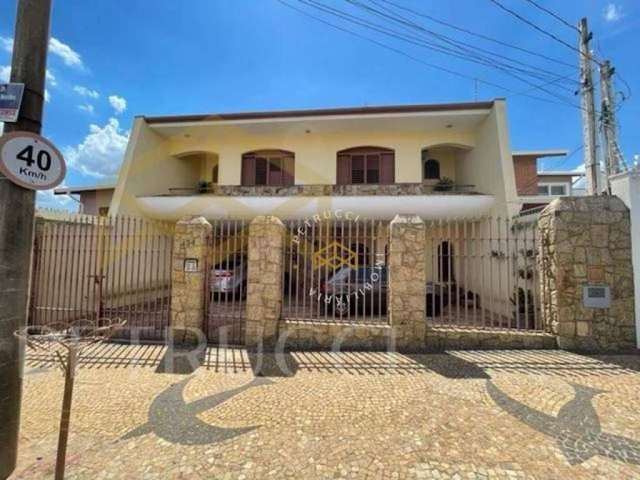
<point>338,190</point>
<point>450,338</point>
<point>407,281</point>
<point>264,282</point>
<point>187,290</point>
<point>335,335</point>
<point>586,240</point>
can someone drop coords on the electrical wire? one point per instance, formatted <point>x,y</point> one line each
<point>463,47</point>
<point>345,16</point>
<point>554,15</point>
<point>478,35</point>
<point>541,30</point>
<point>418,60</point>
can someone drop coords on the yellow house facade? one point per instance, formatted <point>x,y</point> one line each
<point>436,161</point>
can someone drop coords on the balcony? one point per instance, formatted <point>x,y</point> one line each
<point>432,201</point>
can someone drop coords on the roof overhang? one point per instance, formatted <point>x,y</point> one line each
<point>457,116</point>
<point>541,153</point>
<point>76,190</point>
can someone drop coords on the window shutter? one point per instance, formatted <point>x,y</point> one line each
<point>248,170</point>
<point>288,174</point>
<point>343,171</point>
<point>387,168</point>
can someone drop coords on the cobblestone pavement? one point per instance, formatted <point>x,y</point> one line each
<point>461,415</point>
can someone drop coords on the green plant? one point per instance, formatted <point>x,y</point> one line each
<point>203,187</point>
<point>444,185</point>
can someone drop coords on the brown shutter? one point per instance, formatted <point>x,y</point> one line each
<point>387,168</point>
<point>288,173</point>
<point>248,170</point>
<point>343,170</point>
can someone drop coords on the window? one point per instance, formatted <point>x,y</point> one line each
<point>268,167</point>
<point>430,167</point>
<point>556,189</point>
<point>214,174</point>
<point>365,165</point>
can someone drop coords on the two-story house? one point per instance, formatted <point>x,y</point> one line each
<point>448,160</point>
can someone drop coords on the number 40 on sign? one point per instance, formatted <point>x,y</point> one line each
<point>31,161</point>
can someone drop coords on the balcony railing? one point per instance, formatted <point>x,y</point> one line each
<point>325,190</point>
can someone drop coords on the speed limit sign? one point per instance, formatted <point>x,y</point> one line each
<point>31,161</point>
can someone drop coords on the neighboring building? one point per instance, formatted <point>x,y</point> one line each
<point>94,200</point>
<point>537,188</point>
<point>437,161</point>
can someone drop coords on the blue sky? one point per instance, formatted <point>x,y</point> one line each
<point>110,60</point>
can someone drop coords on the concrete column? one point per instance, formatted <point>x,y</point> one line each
<point>627,186</point>
<point>407,282</point>
<point>264,281</point>
<point>587,241</point>
<point>188,279</point>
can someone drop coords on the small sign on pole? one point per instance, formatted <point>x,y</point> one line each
<point>31,161</point>
<point>10,101</point>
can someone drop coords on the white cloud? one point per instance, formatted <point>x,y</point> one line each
<point>47,95</point>
<point>119,104</point>
<point>6,43</point>
<point>68,55</point>
<point>46,199</point>
<point>86,107</point>
<point>5,73</point>
<point>612,12</point>
<point>51,79</point>
<point>100,153</point>
<point>85,92</point>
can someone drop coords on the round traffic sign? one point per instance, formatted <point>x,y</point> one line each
<point>31,161</point>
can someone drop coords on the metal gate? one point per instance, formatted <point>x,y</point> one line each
<point>87,268</point>
<point>483,273</point>
<point>335,270</point>
<point>226,282</point>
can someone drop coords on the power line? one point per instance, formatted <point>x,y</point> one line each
<point>463,46</point>
<point>418,60</point>
<point>541,30</point>
<point>554,15</point>
<point>447,50</point>
<point>479,35</point>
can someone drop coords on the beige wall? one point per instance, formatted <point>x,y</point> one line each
<point>477,156</point>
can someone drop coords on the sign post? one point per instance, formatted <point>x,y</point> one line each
<point>31,161</point>
<point>10,101</point>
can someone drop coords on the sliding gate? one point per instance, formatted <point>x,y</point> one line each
<point>90,268</point>
<point>226,282</point>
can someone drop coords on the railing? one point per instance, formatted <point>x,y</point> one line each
<point>327,189</point>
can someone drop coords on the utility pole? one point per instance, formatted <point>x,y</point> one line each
<point>609,126</point>
<point>588,111</point>
<point>17,206</point>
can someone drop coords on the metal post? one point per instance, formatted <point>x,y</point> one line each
<point>588,111</point>
<point>28,66</point>
<point>608,119</point>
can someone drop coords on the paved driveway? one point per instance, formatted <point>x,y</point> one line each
<point>459,415</point>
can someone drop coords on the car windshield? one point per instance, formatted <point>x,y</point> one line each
<point>233,261</point>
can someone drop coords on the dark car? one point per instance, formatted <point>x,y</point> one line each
<point>367,287</point>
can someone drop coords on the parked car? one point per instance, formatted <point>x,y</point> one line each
<point>349,286</point>
<point>229,277</point>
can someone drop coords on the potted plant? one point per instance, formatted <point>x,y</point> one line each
<point>203,187</point>
<point>444,185</point>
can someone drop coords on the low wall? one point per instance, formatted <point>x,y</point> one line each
<point>334,335</point>
<point>450,338</point>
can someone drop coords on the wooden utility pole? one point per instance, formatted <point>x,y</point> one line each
<point>17,204</point>
<point>609,127</point>
<point>588,111</point>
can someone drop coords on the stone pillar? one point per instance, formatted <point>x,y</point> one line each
<point>407,282</point>
<point>264,281</point>
<point>587,241</point>
<point>188,279</point>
